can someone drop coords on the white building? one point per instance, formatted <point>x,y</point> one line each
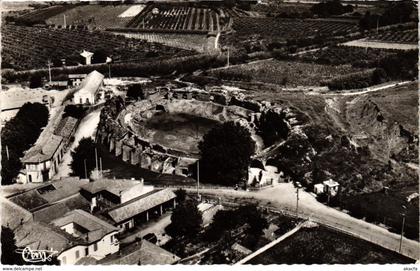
<point>71,238</point>
<point>41,161</point>
<point>270,175</point>
<point>89,88</point>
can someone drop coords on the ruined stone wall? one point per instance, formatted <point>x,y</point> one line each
<point>129,141</point>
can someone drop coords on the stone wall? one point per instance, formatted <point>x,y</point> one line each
<point>134,147</point>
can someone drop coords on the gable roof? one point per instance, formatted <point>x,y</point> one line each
<point>140,204</point>
<point>96,227</point>
<point>66,127</point>
<point>91,83</point>
<point>38,235</point>
<point>142,253</point>
<point>35,198</point>
<point>113,186</point>
<point>43,152</point>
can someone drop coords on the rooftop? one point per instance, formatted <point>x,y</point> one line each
<point>37,235</point>
<point>66,127</point>
<point>92,82</point>
<point>114,186</point>
<point>140,204</point>
<point>142,253</point>
<point>48,193</point>
<point>40,153</point>
<point>96,227</point>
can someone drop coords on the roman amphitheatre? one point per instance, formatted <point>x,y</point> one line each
<point>143,132</point>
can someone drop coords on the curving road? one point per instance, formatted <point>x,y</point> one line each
<point>283,197</point>
<point>86,128</point>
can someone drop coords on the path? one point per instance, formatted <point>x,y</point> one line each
<point>283,197</point>
<point>270,245</point>
<point>86,128</point>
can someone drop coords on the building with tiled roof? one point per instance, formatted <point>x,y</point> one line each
<point>96,238</point>
<point>41,161</point>
<point>89,89</point>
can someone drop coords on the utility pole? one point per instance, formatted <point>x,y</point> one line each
<point>65,23</point>
<point>297,197</point>
<point>402,227</point>
<point>96,159</point>
<point>7,152</point>
<point>49,69</point>
<point>84,162</point>
<point>198,178</point>
<point>228,57</point>
<point>100,166</point>
<point>377,25</point>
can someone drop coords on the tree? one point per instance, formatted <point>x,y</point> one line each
<point>25,126</point>
<point>85,151</point>
<point>273,127</point>
<point>181,195</point>
<point>135,91</point>
<point>8,248</point>
<point>75,111</point>
<point>35,81</point>
<point>99,56</point>
<point>226,152</point>
<point>186,220</point>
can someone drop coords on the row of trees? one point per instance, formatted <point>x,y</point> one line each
<point>399,12</point>
<point>18,135</point>
<point>330,8</point>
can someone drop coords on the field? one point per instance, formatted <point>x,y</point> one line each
<point>323,246</point>
<point>31,47</point>
<point>182,18</point>
<point>280,29</point>
<point>99,16</point>
<point>409,36</point>
<point>339,55</point>
<point>40,15</point>
<point>290,74</point>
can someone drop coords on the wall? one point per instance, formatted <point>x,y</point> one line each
<point>104,248</point>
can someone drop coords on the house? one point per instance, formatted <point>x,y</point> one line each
<point>42,160</point>
<point>70,238</point>
<point>89,88</point>
<point>66,128</point>
<point>43,203</point>
<point>96,238</point>
<point>76,79</point>
<point>319,188</point>
<point>264,175</point>
<point>141,253</point>
<point>88,57</point>
<point>331,187</point>
<point>126,203</point>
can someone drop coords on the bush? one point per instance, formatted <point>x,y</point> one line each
<point>84,151</point>
<point>186,220</point>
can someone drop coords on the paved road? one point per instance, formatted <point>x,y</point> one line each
<point>86,128</point>
<point>283,197</point>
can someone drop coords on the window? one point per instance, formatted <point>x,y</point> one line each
<point>86,251</point>
<point>95,247</point>
<point>77,254</point>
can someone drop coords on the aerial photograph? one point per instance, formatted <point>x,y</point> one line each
<point>209,132</point>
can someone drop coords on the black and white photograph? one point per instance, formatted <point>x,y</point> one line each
<point>252,133</point>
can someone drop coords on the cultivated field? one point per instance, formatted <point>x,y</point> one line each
<point>290,74</point>
<point>31,47</point>
<point>285,29</point>
<point>339,55</point>
<point>409,36</point>
<point>95,16</point>
<point>183,18</point>
<point>323,246</point>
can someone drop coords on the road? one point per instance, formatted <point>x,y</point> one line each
<point>86,128</point>
<point>283,197</point>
